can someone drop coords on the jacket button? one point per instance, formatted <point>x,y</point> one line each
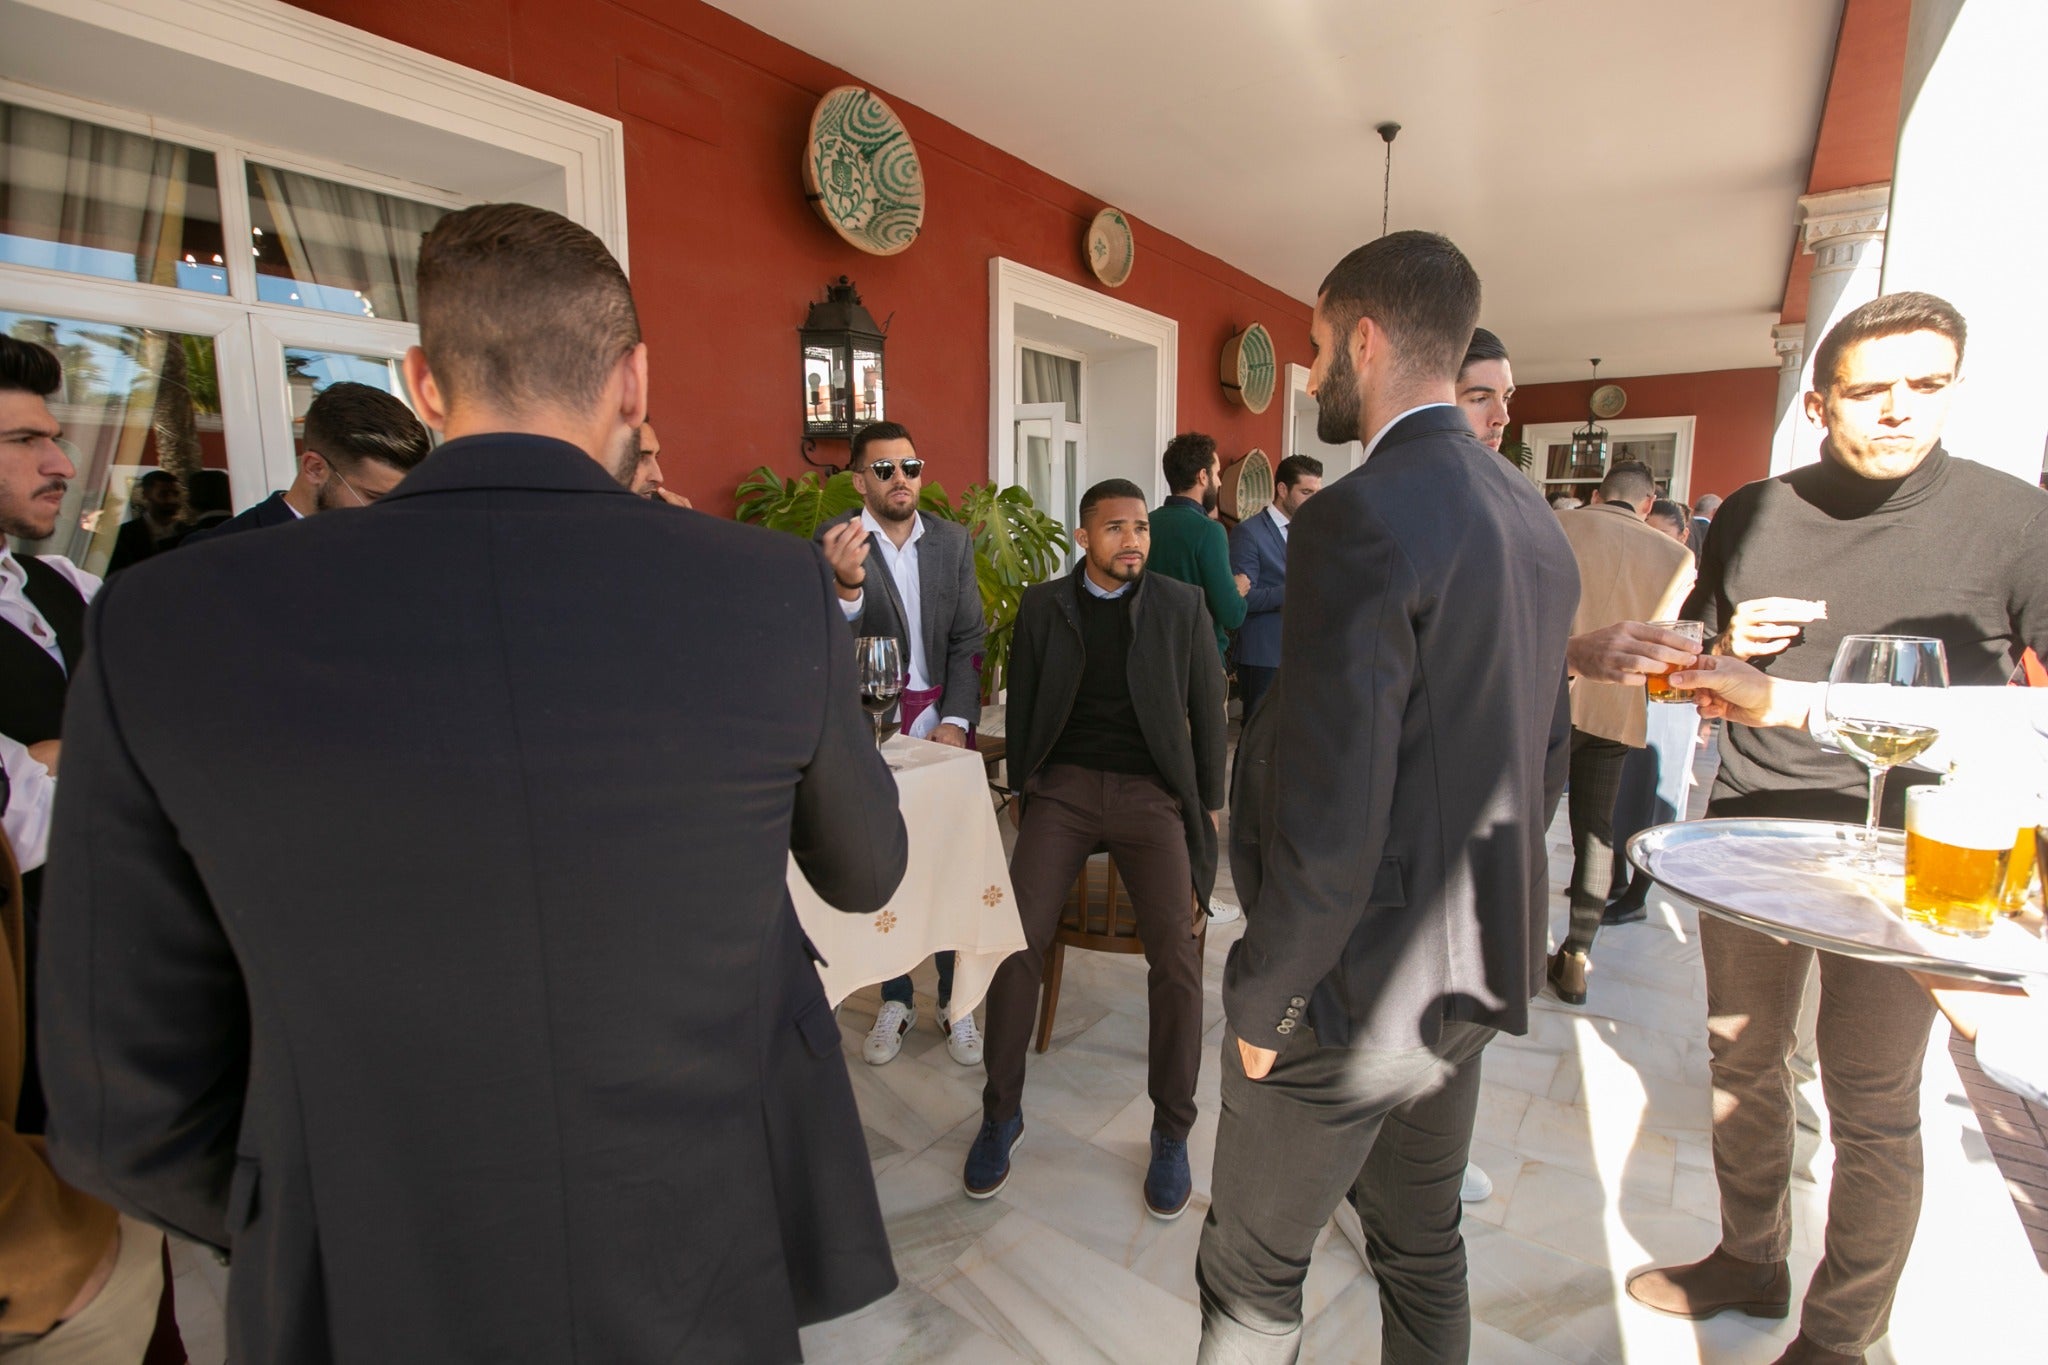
<point>1285,1026</point>
<point>1297,1002</point>
<point>1293,1013</point>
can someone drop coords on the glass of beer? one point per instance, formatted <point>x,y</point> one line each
<point>1659,688</point>
<point>1958,847</point>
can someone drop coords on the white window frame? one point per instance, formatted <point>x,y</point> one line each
<point>1681,429</point>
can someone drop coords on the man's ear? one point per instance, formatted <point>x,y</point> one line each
<point>427,397</point>
<point>1816,405</point>
<point>632,374</point>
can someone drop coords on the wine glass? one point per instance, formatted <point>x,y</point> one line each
<point>1863,710</point>
<point>881,679</point>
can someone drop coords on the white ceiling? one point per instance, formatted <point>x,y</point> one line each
<point>1624,173</point>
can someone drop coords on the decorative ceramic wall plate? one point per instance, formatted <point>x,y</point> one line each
<point>861,172</point>
<point>1247,486</point>
<point>1111,249</point>
<point>1249,369</point>
<point>1608,400</point>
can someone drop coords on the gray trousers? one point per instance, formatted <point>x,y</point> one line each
<point>1391,1130</point>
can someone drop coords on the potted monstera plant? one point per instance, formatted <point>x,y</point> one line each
<point>1015,544</point>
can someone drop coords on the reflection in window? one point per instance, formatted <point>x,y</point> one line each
<point>135,401</point>
<point>308,374</point>
<point>98,201</point>
<point>334,247</point>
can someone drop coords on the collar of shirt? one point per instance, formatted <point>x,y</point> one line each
<point>1280,518</point>
<point>1104,593</point>
<point>1378,436</point>
<point>17,611</point>
<point>1185,500</point>
<point>881,535</point>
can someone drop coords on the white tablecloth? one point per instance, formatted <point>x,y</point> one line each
<point>955,893</point>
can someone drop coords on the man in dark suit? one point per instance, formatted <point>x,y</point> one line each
<point>896,566</point>
<point>154,528</point>
<point>1258,554</point>
<point>458,991</point>
<point>360,441</point>
<point>1388,827</point>
<point>1116,741</point>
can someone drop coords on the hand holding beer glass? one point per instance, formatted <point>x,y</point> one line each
<point>1867,667</point>
<point>1659,684</point>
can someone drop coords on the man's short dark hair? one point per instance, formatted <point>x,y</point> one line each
<point>28,368</point>
<point>1664,509</point>
<point>1294,466</point>
<point>1889,315</point>
<point>1483,346</point>
<point>519,306</point>
<point>872,432</point>
<point>209,492</point>
<point>1107,489</point>
<point>349,423</point>
<point>1421,291</point>
<point>1187,456</point>
<point>154,477</point>
<point>1629,481</point>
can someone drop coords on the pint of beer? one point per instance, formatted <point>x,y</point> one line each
<point>1958,845</point>
<point>1660,690</point>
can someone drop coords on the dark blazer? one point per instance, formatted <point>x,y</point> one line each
<point>434,953</point>
<point>1176,688</point>
<point>272,511</point>
<point>949,602</point>
<point>1259,552</point>
<point>133,543</point>
<point>1394,791</point>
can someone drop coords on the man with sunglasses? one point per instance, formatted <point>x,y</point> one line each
<point>360,441</point>
<point>906,574</point>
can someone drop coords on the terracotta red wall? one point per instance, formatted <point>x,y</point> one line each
<point>726,256</point>
<point>1735,408</point>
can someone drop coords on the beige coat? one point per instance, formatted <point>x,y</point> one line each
<point>1628,571</point>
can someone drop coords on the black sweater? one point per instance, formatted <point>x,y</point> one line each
<point>1102,730</point>
<point>1955,550</point>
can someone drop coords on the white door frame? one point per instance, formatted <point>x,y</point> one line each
<point>1011,286</point>
<point>1536,437</point>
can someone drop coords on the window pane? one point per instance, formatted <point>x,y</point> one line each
<point>98,201</point>
<point>1049,378</point>
<point>137,404</point>
<point>334,247</point>
<point>308,373</point>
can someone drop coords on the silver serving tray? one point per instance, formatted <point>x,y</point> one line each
<point>1775,876</point>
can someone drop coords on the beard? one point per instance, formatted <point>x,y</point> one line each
<point>1337,402</point>
<point>625,461</point>
<point>879,505</point>
<point>1210,495</point>
<point>29,525</point>
<point>1120,571</point>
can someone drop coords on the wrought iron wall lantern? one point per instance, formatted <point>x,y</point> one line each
<point>1589,444</point>
<point>842,368</point>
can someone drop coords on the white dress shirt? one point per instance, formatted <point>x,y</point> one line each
<point>1374,443</point>
<point>1280,518</point>
<point>17,611</point>
<point>32,791</point>
<point>902,564</point>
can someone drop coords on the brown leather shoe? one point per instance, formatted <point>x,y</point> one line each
<point>1803,1351</point>
<point>1568,976</point>
<point>1715,1285</point>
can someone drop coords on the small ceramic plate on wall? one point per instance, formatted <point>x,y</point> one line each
<point>1249,369</point>
<point>861,172</point>
<point>1111,249</point>
<point>1247,486</point>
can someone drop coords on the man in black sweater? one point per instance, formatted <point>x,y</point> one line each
<point>1887,534</point>
<point>1116,741</point>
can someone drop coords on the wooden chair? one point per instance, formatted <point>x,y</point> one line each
<point>1098,916</point>
<point>992,750</point>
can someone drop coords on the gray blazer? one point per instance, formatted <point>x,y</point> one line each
<point>1176,682</point>
<point>949,602</point>
<point>1394,791</point>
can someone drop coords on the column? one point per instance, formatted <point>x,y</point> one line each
<point>1844,231</point>
<point>1790,340</point>
<point>1968,208</point>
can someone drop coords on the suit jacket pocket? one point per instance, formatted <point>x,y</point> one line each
<point>819,1032</point>
<point>242,1204</point>
<point>1388,889</point>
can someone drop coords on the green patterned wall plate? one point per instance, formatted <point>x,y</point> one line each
<point>861,172</point>
<point>1110,247</point>
<point>1247,486</point>
<point>1249,368</point>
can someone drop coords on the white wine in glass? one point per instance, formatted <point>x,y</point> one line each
<point>1863,710</point>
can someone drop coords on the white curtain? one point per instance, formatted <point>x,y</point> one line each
<point>348,238</point>
<point>1052,379</point>
<point>75,184</point>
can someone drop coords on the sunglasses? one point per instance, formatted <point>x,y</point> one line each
<point>885,470</point>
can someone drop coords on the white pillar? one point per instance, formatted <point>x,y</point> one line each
<point>1970,196</point>
<point>1845,232</point>
<point>1790,340</point>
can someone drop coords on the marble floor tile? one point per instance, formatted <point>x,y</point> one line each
<point>908,1326</point>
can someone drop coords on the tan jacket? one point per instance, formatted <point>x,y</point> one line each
<point>51,1236</point>
<point>1628,571</point>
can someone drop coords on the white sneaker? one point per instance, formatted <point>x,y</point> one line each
<point>1478,1186</point>
<point>1223,912</point>
<point>963,1039</point>
<point>885,1039</point>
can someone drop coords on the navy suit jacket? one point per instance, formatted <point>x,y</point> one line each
<point>1259,551</point>
<point>272,511</point>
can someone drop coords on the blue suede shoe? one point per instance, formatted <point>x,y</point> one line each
<point>988,1160</point>
<point>1168,1183</point>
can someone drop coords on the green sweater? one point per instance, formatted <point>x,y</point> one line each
<point>1189,546</point>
